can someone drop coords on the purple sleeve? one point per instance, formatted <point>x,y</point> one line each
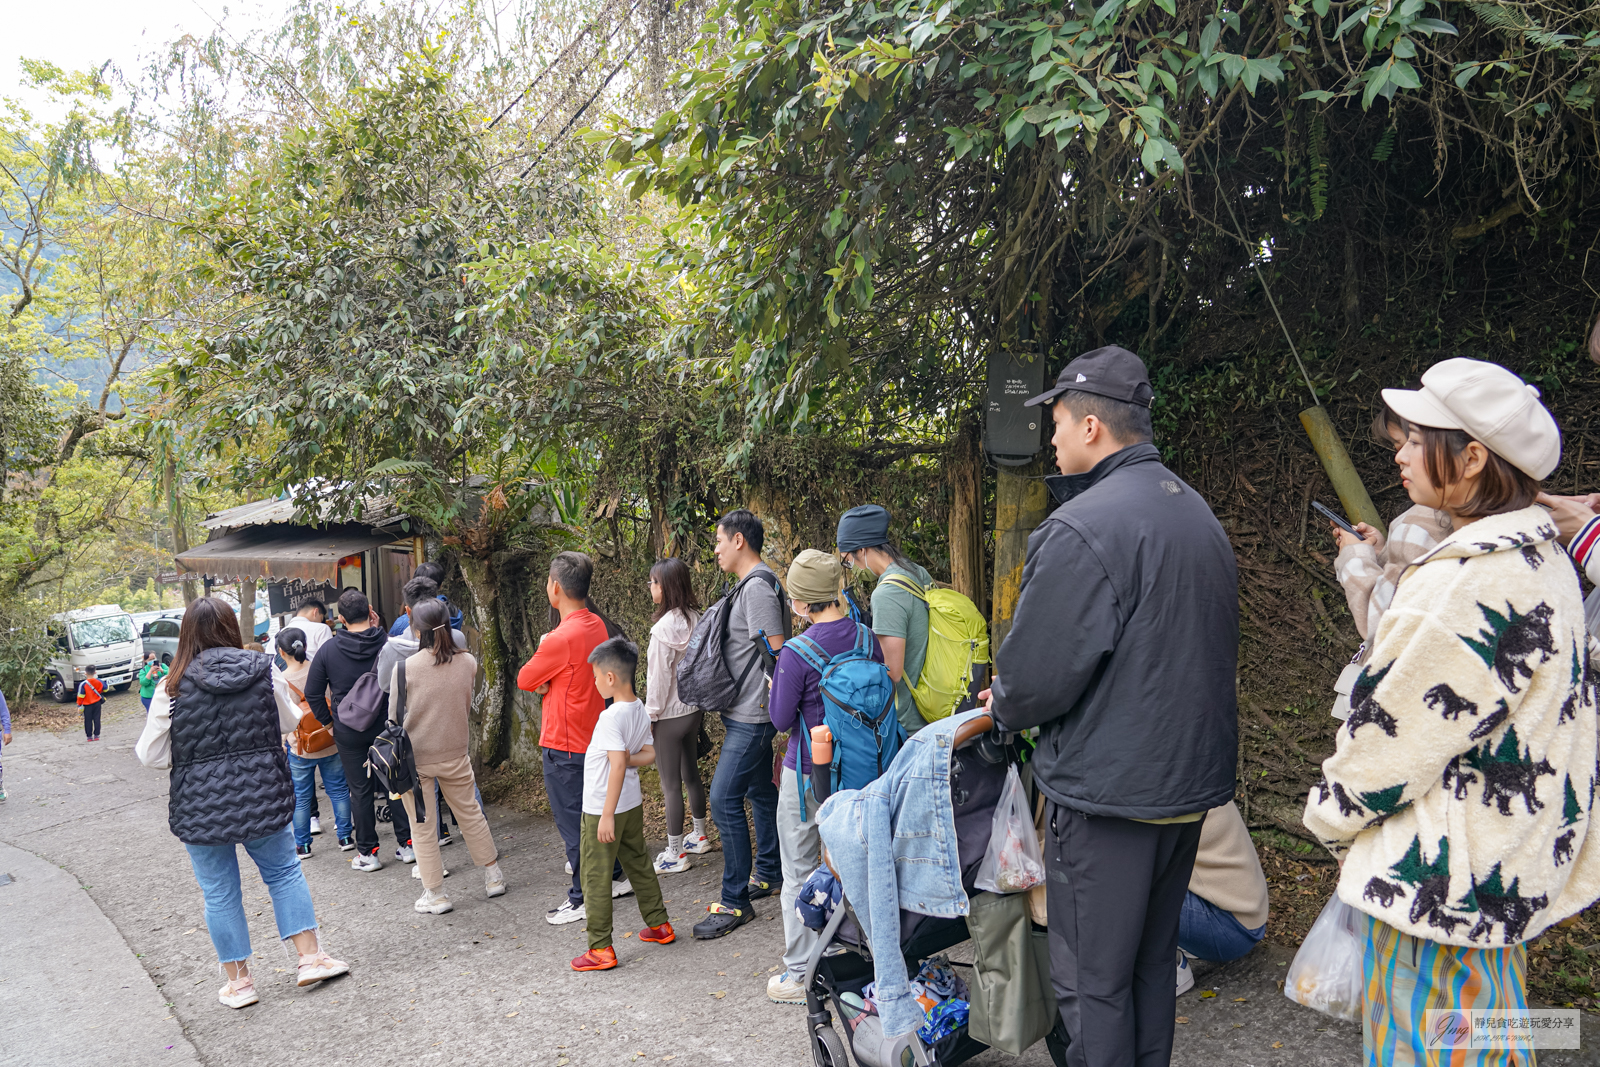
<point>788,683</point>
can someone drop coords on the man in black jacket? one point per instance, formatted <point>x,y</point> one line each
<point>352,652</point>
<point>1123,650</point>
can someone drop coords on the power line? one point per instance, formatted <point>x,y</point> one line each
<point>587,30</point>
<point>579,113</point>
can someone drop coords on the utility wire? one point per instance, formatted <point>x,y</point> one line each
<point>587,30</point>
<point>579,113</point>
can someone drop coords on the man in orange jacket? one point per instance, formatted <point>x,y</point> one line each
<point>91,698</point>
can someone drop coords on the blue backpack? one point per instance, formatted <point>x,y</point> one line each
<point>857,708</point>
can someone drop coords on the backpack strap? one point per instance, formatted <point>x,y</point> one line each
<point>397,708</point>
<point>907,584</point>
<point>811,653</point>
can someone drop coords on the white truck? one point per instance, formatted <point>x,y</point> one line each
<point>103,637</point>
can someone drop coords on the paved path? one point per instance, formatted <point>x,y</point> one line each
<point>489,980</point>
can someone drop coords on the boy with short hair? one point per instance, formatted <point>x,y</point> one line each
<point>91,698</point>
<point>613,808</point>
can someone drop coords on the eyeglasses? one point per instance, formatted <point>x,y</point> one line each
<point>845,558</point>
<point>653,581</point>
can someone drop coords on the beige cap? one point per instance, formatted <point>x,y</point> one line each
<point>1491,404</point>
<point>815,577</point>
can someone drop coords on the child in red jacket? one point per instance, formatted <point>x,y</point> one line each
<point>91,698</point>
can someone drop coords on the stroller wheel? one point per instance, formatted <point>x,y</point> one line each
<point>827,1050</point>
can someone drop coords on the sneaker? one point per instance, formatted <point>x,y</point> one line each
<point>416,872</point>
<point>446,839</point>
<point>621,888</point>
<point>569,866</point>
<point>667,863</point>
<point>567,913</point>
<point>319,967</point>
<point>494,883</point>
<point>1185,974</point>
<point>405,854</point>
<point>2,794</point>
<point>302,852</point>
<point>786,988</point>
<point>660,935</point>
<point>364,862</point>
<point>759,890</point>
<point>316,825</point>
<point>239,993</point>
<point>346,844</point>
<point>696,843</point>
<point>596,959</point>
<point>720,920</point>
<point>433,902</point>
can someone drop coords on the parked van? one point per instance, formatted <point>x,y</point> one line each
<point>104,637</point>
<point>159,632</point>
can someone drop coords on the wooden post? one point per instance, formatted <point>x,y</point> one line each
<point>247,611</point>
<point>965,473</point>
<point>1021,503</point>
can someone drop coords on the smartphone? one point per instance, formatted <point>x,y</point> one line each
<point>1336,518</point>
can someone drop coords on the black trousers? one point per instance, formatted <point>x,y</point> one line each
<point>563,786</point>
<point>1115,890</point>
<point>364,789</point>
<point>91,718</point>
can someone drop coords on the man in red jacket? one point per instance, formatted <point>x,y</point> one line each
<point>560,672</point>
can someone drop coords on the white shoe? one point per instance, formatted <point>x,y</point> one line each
<point>1185,974</point>
<point>314,969</point>
<point>364,862</point>
<point>621,888</point>
<point>416,872</point>
<point>238,994</point>
<point>433,902</point>
<point>786,988</point>
<point>405,854</point>
<point>564,914</point>
<point>493,881</point>
<point>316,825</point>
<point>569,866</point>
<point>696,843</point>
<point>667,863</point>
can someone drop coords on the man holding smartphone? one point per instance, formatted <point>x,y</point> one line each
<point>1123,650</point>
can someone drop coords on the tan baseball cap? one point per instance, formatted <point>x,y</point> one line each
<point>1491,405</point>
<point>815,577</point>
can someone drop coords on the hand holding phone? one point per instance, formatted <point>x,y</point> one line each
<point>1337,519</point>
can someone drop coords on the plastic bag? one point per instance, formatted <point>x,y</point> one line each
<point>1327,971</point>
<point>1013,863</point>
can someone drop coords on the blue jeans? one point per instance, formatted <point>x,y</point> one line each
<point>744,769</point>
<point>216,868</point>
<point>1212,933</point>
<point>304,772</point>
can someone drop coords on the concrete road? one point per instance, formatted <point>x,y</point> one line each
<point>105,884</point>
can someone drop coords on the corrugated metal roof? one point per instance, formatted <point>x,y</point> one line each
<point>380,512</point>
<point>282,552</point>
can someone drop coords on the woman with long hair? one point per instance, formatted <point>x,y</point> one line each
<point>289,687</point>
<point>1459,797</point>
<point>677,725</point>
<point>430,694</point>
<point>216,724</point>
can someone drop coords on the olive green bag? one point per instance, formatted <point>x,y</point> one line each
<point>1013,1004</point>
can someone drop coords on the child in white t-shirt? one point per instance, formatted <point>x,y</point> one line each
<point>613,809</point>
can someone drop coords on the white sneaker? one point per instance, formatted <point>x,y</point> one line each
<point>364,862</point>
<point>405,854</point>
<point>696,843</point>
<point>493,881</point>
<point>569,866</point>
<point>237,994</point>
<point>564,914</point>
<point>433,902</point>
<point>1185,974</point>
<point>786,988</point>
<point>314,969</point>
<point>416,872</point>
<point>621,888</point>
<point>667,863</point>
<point>316,825</point>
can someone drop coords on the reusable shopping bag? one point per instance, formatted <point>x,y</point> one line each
<point>1013,863</point>
<point>1013,1003</point>
<point>1327,971</point>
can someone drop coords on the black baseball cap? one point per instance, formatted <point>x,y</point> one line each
<point>1110,372</point>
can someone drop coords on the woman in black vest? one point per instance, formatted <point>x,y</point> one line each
<point>216,724</point>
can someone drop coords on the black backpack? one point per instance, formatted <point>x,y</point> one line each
<point>703,677</point>
<point>390,758</point>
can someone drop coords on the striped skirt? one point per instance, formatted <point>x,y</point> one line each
<point>1406,976</point>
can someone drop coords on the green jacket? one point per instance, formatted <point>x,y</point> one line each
<point>150,676</point>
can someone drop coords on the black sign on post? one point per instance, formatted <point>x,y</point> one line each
<point>1013,434</point>
<point>286,598</point>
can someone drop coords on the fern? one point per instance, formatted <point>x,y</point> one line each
<point>1385,146</point>
<point>1514,21</point>
<point>1319,165</point>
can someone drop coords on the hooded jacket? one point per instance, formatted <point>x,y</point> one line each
<point>1125,643</point>
<point>669,637</point>
<point>335,669</point>
<point>1462,784</point>
<point>230,778</point>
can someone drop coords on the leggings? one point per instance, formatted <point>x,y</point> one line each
<point>677,740</point>
<point>91,718</point>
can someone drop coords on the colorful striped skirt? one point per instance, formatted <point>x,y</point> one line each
<point>1407,976</point>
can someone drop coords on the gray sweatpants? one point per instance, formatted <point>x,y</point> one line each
<point>800,849</point>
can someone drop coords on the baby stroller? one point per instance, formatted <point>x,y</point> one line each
<point>842,963</point>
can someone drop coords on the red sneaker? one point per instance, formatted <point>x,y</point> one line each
<point>596,959</point>
<point>661,935</point>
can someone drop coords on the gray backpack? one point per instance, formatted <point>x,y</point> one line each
<point>703,677</point>
<point>364,705</point>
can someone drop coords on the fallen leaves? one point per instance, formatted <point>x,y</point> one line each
<point>1183,1018</point>
<point>719,994</point>
<point>1277,1044</point>
<point>1208,994</point>
<point>512,1014</point>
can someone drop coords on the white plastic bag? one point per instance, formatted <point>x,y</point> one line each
<point>1013,863</point>
<point>1327,971</point>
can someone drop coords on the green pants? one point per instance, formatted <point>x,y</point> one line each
<point>596,860</point>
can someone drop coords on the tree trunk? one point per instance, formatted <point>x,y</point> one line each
<point>1021,503</point>
<point>489,723</point>
<point>247,611</point>
<point>966,514</point>
<point>1350,292</point>
<point>180,531</point>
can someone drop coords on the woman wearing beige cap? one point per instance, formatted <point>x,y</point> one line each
<point>1458,798</point>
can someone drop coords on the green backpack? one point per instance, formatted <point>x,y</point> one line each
<point>958,640</point>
